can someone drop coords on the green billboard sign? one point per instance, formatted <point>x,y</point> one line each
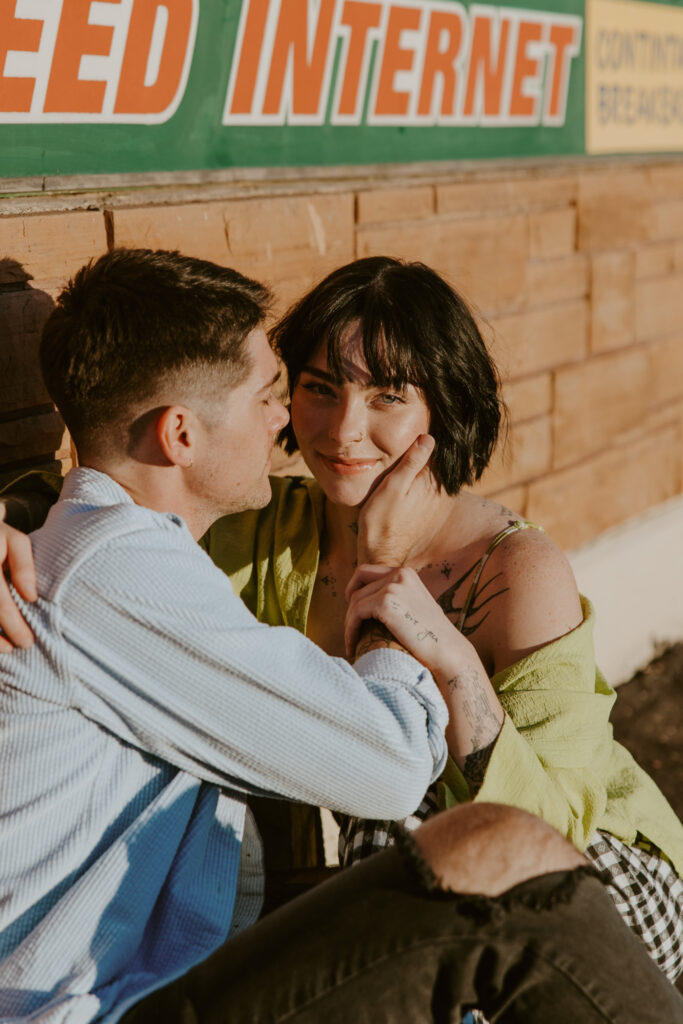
<point>111,86</point>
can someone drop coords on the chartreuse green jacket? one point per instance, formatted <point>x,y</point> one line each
<point>555,756</point>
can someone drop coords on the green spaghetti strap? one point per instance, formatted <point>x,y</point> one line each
<point>519,524</point>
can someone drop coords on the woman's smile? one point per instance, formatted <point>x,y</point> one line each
<point>345,466</point>
<point>350,432</point>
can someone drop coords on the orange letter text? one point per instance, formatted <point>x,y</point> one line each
<point>17,34</point>
<point>390,102</point>
<point>134,96</point>
<point>66,92</point>
<point>562,38</point>
<point>249,57</point>
<point>482,66</point>
<point>442,25</point>
<point>360,17</point>
<point>526,67</point>
<point>291,41</point>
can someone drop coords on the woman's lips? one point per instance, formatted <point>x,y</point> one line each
<point>347,467</point>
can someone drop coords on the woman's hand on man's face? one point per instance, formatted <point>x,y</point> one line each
<point>16,557</point>
<point>394,520</point>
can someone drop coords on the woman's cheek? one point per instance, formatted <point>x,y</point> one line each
<point>407,429</point>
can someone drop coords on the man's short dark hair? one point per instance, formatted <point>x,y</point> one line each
<point>415,330</point>
<point>135,318</point>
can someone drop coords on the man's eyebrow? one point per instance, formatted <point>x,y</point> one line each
<point>272,382</point>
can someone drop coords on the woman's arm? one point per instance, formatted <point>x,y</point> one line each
<point>546,716</point>
<point>24,505</point>
<point>553,754</point>
<point>539,601</point>
<point>399,600</point>
<point>16,558</point>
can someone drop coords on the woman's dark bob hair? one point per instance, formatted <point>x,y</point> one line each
<point>415,330</point>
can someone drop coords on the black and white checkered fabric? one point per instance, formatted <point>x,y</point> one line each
<point>648,894</point>
<point>645,889</point>
<point>360,837</point>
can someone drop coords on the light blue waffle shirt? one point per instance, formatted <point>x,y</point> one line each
<point>151,703</point>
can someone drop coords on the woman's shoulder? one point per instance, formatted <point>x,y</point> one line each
<point>529,558</point>
<point>542,601</point>
<point>522,588</point>
<point>522,548</point>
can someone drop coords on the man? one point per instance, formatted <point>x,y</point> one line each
<point>152,704</point>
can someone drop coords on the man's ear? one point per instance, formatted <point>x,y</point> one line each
<point>177,429</point>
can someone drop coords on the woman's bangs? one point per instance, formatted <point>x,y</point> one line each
<point>390,356</point>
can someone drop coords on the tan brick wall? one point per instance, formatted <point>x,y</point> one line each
<point>289,242</point>
<point>575,271</point>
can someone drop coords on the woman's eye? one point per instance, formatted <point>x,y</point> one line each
<point>316,388</point>
<point>388,398</point>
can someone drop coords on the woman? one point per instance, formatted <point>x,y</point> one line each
<point>377,354</point>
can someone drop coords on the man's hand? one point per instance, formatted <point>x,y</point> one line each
<point>396,517</point>
<point>16,558</point>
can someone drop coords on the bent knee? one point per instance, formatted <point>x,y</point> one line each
<point>488,848</point>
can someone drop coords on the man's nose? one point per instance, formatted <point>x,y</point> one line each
<point>280,417</point>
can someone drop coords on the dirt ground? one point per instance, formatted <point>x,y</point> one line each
<point>648,720</point>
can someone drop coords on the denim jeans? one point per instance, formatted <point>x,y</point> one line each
<point>379,944</point>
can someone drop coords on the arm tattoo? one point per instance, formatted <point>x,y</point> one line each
<point>483,724</point>
<point>476,763</point>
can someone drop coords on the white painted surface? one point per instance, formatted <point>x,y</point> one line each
<point>633,574</point>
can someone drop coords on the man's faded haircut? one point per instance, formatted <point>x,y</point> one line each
<point>133,320</point>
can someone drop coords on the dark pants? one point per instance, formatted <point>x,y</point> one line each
<point>376,945</point>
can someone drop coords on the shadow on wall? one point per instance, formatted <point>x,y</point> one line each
<point>32,434</point>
